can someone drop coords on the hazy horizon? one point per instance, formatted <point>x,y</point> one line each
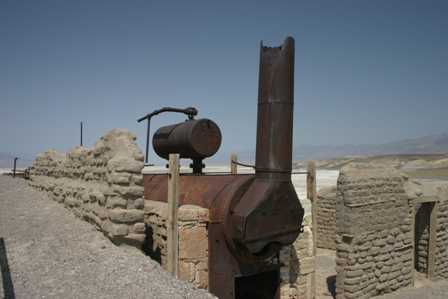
<point>423,145</point>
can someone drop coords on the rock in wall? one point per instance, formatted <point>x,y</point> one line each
<point>102,185</point>
<point>326,218</point>
<point>374,240</point>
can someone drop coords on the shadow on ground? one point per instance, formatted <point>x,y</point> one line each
<point>8,287</point>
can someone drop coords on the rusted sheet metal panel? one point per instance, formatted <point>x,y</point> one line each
<point>198,190</point>
<point>225,268</point>
<point>267,217</point>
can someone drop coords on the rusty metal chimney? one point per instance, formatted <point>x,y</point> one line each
<point>269,214</point>
<point>275,109</point>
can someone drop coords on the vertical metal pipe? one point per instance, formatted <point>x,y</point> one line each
<point>81,135</point>
<point>15,166</point>
<point>275,109</point>
<point>147,140</point>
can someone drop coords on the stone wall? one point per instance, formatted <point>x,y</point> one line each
<point>102,185</point>
<point>374,240</point>
<point>297,273</point>
<point>193,240</point>
<point>326,218</point>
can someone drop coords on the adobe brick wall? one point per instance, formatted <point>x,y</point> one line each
<point>326,218</point>
<point>374,238</point>
<point>102,185</point>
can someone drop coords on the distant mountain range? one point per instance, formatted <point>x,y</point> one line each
<point>434,144</point>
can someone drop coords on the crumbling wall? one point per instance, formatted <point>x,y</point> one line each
<point>298,266</point>
<point>326,218</point>
<point>102,185</point>
<point>193,240</point>
<point>374,240</point>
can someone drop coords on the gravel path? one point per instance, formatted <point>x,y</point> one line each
<point>53,254</point>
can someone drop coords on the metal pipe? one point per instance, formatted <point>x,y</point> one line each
<point>81,134</point>
<point>275,110</point>
<point>15,166</point>
<point>148,128</point>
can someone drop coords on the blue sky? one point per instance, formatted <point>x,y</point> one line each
<point>366,71</point>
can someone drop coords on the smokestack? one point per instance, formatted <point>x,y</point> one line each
<point>269,213</point>
<point>275,109</point>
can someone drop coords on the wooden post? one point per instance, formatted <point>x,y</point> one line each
<point>432,240</point>
<point>15,167</point>
<point>80,141</point>
<point>311,191</point>
<point>233,166</point>
<point>412,203</point>
<point>171,224</point>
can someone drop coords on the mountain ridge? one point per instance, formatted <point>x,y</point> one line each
<point>431,144</point>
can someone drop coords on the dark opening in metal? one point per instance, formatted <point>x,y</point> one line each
<point>265,285</point>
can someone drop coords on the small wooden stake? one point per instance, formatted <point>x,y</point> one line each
<point>233,166</point>
<point>171,224</point>
<point>432,240</point>
<point>311,191</point>
<point>412,204</point>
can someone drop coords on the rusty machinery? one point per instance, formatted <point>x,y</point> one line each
<point>251,215</point>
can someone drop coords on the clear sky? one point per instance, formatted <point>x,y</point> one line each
<point>366,71</point>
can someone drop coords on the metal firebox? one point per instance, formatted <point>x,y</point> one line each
<point>251,215</point>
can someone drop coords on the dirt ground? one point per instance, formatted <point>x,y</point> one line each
<point>46,252</point>
<point>325,274</point>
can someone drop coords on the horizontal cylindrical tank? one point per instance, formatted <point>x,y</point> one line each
<point>193,139</point>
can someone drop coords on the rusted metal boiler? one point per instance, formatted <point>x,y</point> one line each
<point>251,215</point>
